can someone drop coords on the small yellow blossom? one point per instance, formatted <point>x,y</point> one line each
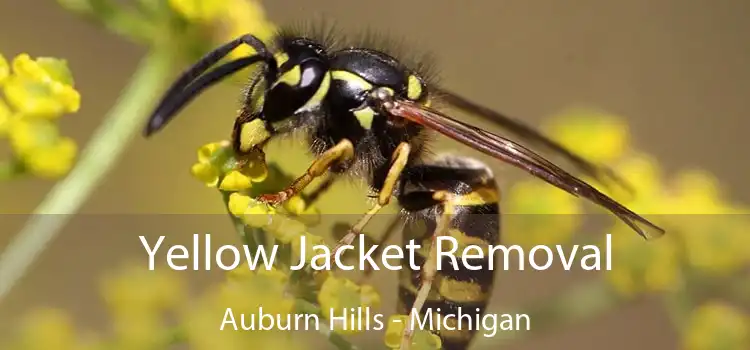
<point>642,172</point>
<point>295,205</point>
<point>422,339</point>
<point>235,181</point>
<point>138,300</point>
<point>37,91</point>
<point>208,151</point>
<point>245,294</point>
<point>717,244</point>
<point>537,213</point>
<point>4,69</point>
<point>286,230</point>
<point>38,144</point>
<point>696,192</point>
<point>215,161</point>
<point>640,266</point>
<point>238,204</point>
<point>199,10</point>
<point>244,17</point>
<point>250,211</point>
<point>205,173</point>
<point>716,325</point>
<point>53,161</point>
<point>597,136</point>
<point>41,88</point>
<point>342,295</point>
<point>50,329</point>
<point>125,290</point>
<point>6,117</point>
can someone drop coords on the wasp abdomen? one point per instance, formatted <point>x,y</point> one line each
<point>460,290</point>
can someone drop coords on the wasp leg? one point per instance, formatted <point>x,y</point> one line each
<point>319,191</point>
<point>386,236</point>
<point>398,163</point>
<point>342,151</point>
<point>429,268</point>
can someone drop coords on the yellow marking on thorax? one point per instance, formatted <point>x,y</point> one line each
<point>319,95</point>
<point>413,88</point>
<point>365,116</point>
<point>291,77</point>
<point>352,78</point>
<point>252,134</point>
<point>484,195</point>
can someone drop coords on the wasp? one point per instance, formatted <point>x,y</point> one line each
<point>367,114</point>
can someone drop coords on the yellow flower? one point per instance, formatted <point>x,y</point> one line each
<point>138,299</point>
<point>597,136</point>
<point>6,117</point>
<point>639,266</point>
<point>714,237</point>
<point>134,288</point>
<point>206,173</point>
<point>41,88</point>
<point>718,244</point>
<point>250,211</point>
<point>199,10</point>
<point>696,192</point>
<point>48,329</point>
<point>244,17</point>
<point>41,148</point>
<point>210,150</point>
<point>287,230</point>
<point>715,325</point>
<point>54,161</point>
<point>215,161</point>
<point>245,295</point>
<point>4,69</point>
<point>422,339</point>
<point>537,213</point>
<point>235,181</point>
<point>340,295</point>
<point>295,205</point>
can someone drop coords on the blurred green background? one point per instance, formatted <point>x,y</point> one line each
<point>675,70</point>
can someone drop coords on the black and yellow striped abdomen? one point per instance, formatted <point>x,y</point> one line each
<point>457,290</point>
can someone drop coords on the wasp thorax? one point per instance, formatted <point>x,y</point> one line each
<point>302,82</point>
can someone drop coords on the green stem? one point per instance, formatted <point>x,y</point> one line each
<point>97,159</point>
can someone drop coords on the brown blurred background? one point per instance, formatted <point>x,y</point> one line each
<point>677,70</point>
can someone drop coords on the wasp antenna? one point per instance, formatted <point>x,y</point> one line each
<point>186,87</point>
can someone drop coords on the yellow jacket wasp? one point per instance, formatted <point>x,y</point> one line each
<point>367,114</point>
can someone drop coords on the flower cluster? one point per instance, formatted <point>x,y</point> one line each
<point>706,241</point>
<point>217,167</point>
<point>37,92</point>
<point>232,17</point>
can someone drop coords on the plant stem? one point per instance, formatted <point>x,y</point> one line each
<point>96,161</point>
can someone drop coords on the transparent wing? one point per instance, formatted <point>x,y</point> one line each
<point>519,156</point>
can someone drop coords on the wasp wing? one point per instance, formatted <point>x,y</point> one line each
<point>529,134</point>
<point>517,155</point>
